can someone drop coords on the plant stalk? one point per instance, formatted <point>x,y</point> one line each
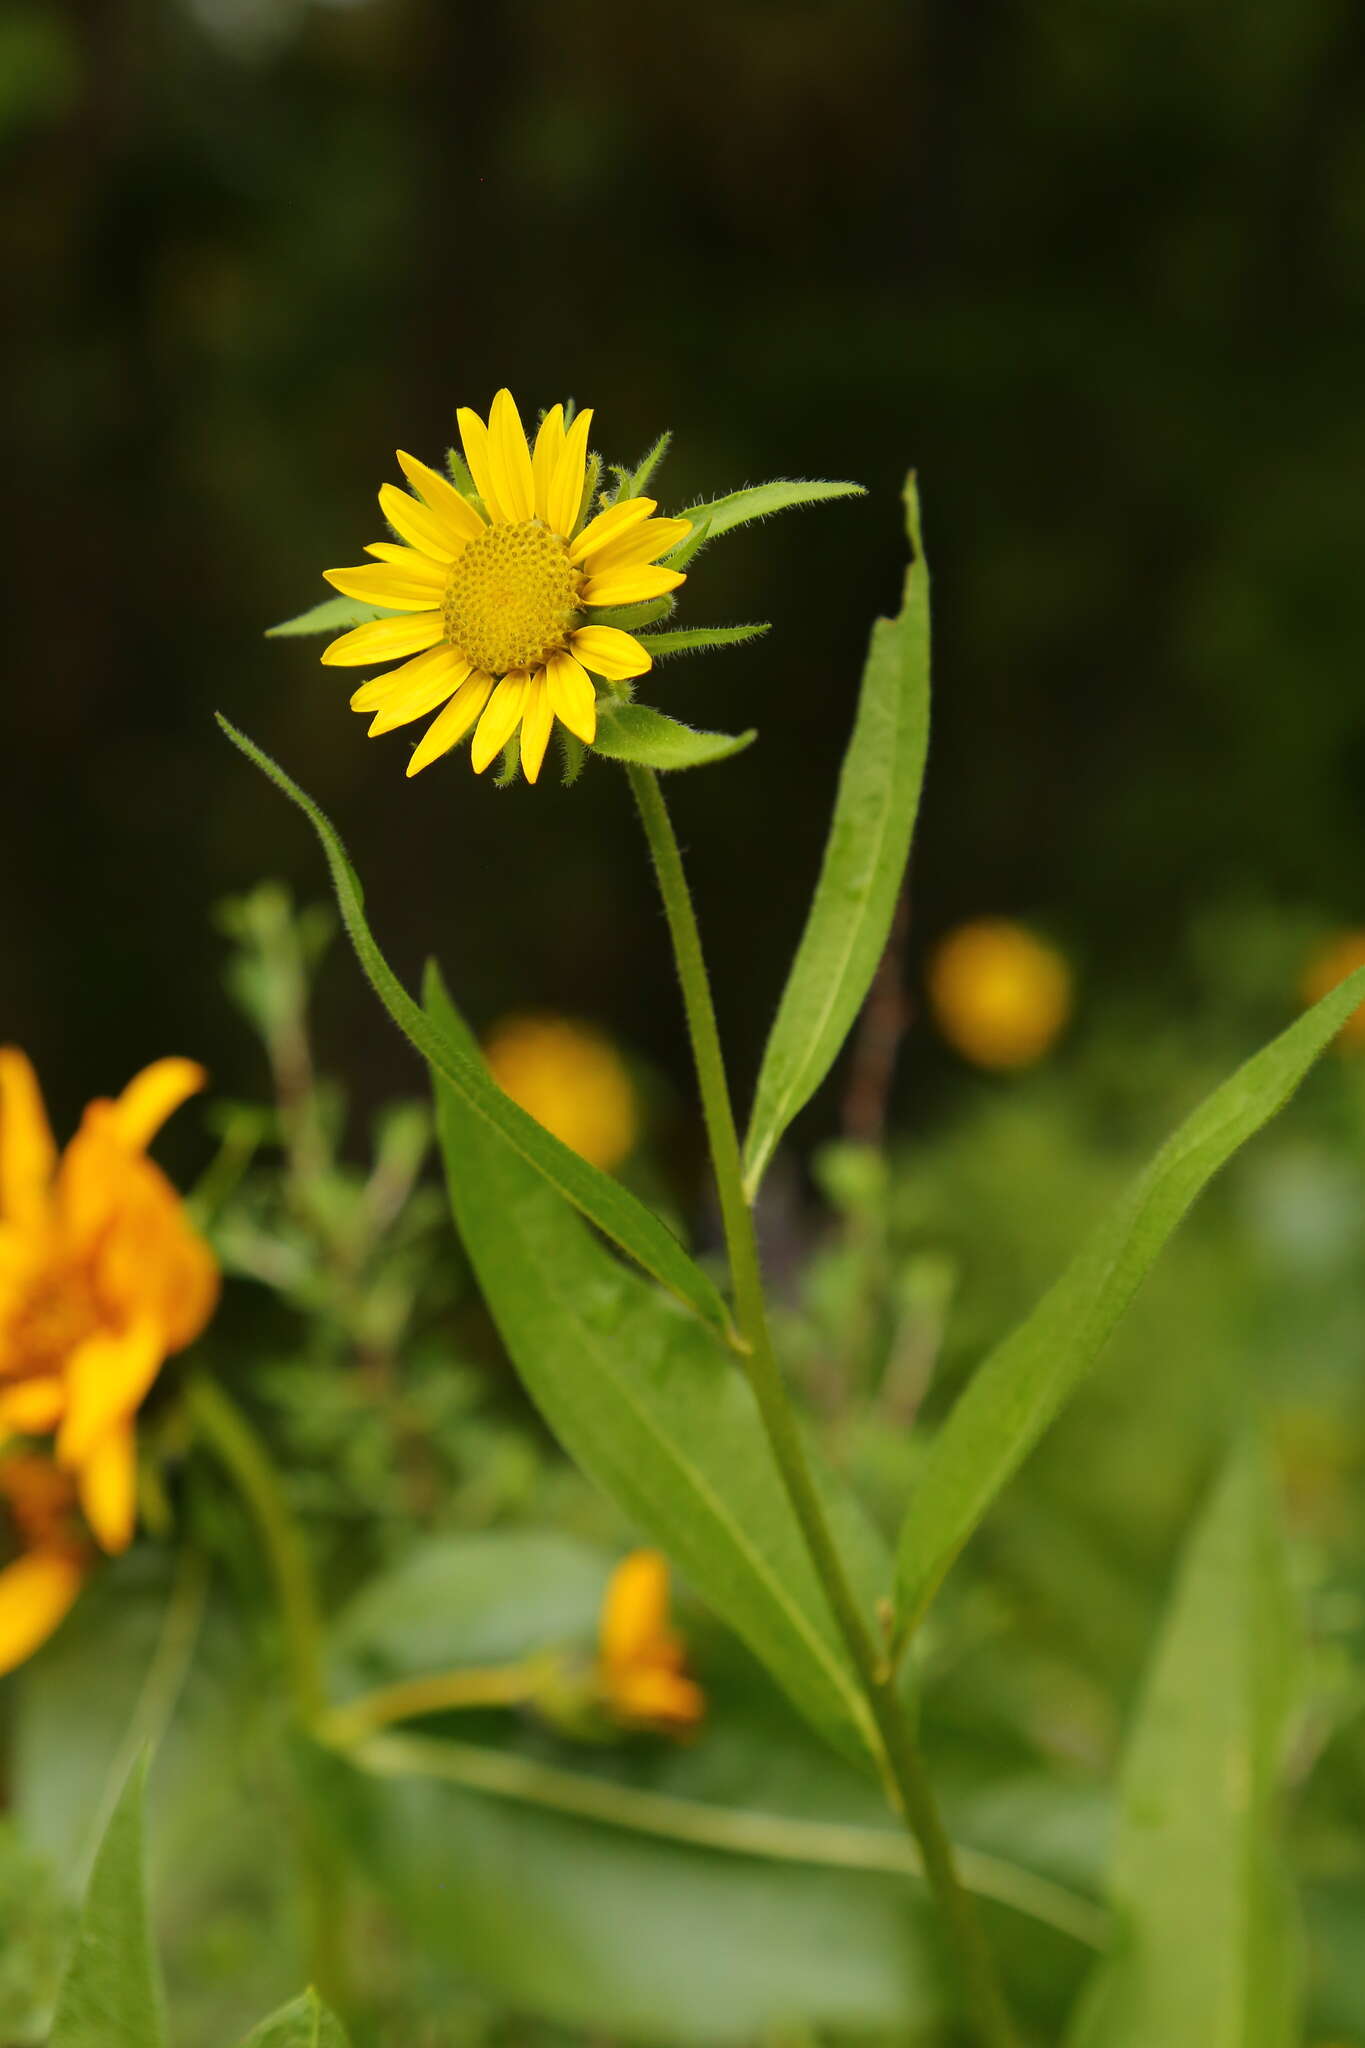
<point>904,1764</point>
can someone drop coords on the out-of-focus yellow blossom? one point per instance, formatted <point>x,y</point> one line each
<point>39,1587</point>
<point>1329,964</point>
<point>101,1279</point>
<point>570,1079</point>
<point>1001,997</point>
<point>641,1660</point>
<point>493,600</point>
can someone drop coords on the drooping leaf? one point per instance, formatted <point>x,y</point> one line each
<point>636,1229</point>
<point>332,615</point>
<point>693,637</point>
<point>865,855</point>
<point>111,1991</point>
<point>635,732</point>
<point>653,1409</point>
<point>304,2023</point>
<point>760,501</point>
<point>1015,1395</point>
<point>1205,1955</point>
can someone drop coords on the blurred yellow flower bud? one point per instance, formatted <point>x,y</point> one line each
<point>1329,964</point>
<point>1000,996</point>
<point>641,1660</point>
<point>570,1079</point>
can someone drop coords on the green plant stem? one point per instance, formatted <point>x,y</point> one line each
<point>903,1762</point>
<point>486,1685</point>
<point>221,1425</point>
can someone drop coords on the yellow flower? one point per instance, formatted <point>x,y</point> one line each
<point>1329,964</point>
<point>641,1661</point>
<point>38,1589</point>
<point>571,1080</point>
<point>1000,995</point>
<point>101,1279</point>
<point>492,599</point>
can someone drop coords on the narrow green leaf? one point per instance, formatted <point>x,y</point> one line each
<point>634,484</point>
<point>1206,1955</point>
<point>111,1992</point>
<point>1015,1395</point>
<point>460,476</point>
<point>303,2023</point>
<point>653,1409</point>
<point>631,617</point>
<point>636,1229</point>
<point>333,615</point>
<point>690,546</point>
<point>662,644</point>
<point>865,856</point>
<point>634,732</point>
<point>761,501</point>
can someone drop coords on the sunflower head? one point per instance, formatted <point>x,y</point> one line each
<point>493,591</point>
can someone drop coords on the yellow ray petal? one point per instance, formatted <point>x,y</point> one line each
<point>384,640</point>
<point>500,720</point>
<point>453,723</point>
<point>635,1609</point>
<point>378,691</point>
<point>609,652</point>
<point>609,525</point>
<point>549,448</point>
<point>107,1484</point>
<point>449,505</point>
<point>32,1407</point>
<point>402,590</point>
<point>28,1152</point>
<point>537,720</point>
<point>152,1096</point>
<point>572,695</point>
<point>510,459</point>
<point>659,1697</point>
<point>629,586</point>
<point>640,544</point>
<point>566,487</point>
<point>36,1593</point>
<point>474,439</point>
<point>422,694</point>
<point>424,529</point>
<point>107,1378</point>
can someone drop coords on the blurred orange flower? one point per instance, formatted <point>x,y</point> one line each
<point>101,1279</point>
<point>1001,997</point>
<point>1329,964</point>
<point>570,1079</point>
<point>641,1659</point>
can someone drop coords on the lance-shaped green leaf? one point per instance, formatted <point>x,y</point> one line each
<point>303,2023</point>
<point>111,1994</point>
<point>1206,1949</point>
<point>760,501</point>
<point>333,615</point>
<point>860,880</point>
<point>1015,1395</point>
<point>656,1411</point>
<point>633,484</point>
<point>636,1229</point>
<point>691,638</point>
<point>634,732</point>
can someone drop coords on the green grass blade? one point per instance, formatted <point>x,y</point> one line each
<point>635,732</point>
<point>1015,1395</point>
<point>111,1993</point>
<point>761,501</point>
<point>615,1211</point>
<point>655,1411</point>
<point>1207,1949</point>
<point>865,855</point>
<point>333,615</point>
<point>303,2023</point>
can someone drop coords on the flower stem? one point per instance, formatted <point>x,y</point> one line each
<point>904,1764</point>
<point>493,1685</point>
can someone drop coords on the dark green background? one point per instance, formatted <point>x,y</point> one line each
<point>1099,272</point>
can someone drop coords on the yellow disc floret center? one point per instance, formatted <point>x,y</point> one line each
<point>511,597</point>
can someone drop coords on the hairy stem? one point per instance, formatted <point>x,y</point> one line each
<point>904,1765</point>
